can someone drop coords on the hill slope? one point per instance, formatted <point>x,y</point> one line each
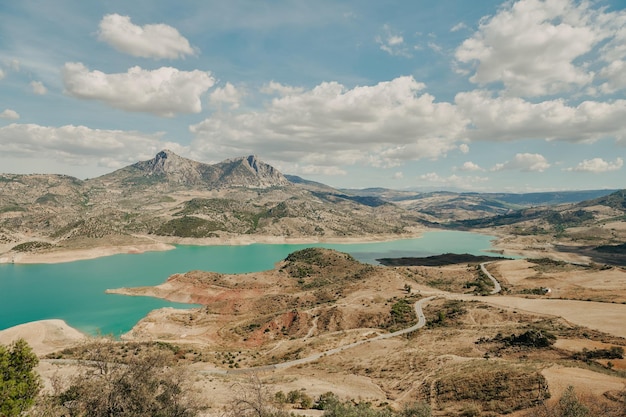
<point>169,198</point>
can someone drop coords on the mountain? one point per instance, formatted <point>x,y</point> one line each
<point>455,206</point>
<point>169,169</point>
<point>169,198</point>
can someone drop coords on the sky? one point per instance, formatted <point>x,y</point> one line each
<point>491,96</point>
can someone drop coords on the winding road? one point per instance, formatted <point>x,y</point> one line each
<point>496,285</point>
<point>421,321</point>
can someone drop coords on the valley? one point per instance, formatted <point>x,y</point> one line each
<point>431,330</point>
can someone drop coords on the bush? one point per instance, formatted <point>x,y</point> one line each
<point>143,386</point>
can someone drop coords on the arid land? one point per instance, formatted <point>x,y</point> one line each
<point>323,300</point>
<point>321,321</point>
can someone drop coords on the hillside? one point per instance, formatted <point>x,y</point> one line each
<point>170,198</point>
<point>447,206</point>
<point>497,354</point>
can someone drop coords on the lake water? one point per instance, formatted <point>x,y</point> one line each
<point>75,291</point>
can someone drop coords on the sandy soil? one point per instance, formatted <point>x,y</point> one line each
<point>59,256</point>
<point>583,381</point>
<point>165,243</point>
<point>45,336</point>
<point>605,317</point>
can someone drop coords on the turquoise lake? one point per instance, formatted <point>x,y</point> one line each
<point>75,291</point>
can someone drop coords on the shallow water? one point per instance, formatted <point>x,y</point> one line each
<point>74,291</point>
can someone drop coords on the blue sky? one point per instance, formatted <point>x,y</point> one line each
<point>518,96</point>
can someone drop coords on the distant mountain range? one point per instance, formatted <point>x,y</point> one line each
<point>171,198</point>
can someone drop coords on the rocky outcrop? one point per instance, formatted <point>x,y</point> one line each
<point>169,169</point>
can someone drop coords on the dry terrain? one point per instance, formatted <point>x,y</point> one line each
<point>473,351</point>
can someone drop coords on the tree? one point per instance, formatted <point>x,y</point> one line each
<point>570,405</point>
<point>19,382</point>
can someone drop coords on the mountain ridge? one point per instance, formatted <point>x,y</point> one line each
<point>170,169</point>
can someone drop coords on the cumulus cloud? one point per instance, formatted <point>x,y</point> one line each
<point>597,165</point>
<point>526,162</point>
<point>398,175</point>
<point>330,125</point>
<point>453,180</point>
<point>9,114</point>
<point>458,26</point>
<point>470,166</point>
<point>2,74</point>
<point>164,91</point>
<point>274,87</point>
<point>615,74</point>
<point>228,94</point>
<point>80,145</point>
<point>38,88</point>
<point>392,42</point>
<point>156,41</point>
<point>510,118</point>
<point>534,47</point>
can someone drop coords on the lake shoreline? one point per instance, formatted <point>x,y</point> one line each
<point>165,244</point>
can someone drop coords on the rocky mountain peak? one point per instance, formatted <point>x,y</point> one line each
<point>168,169</point>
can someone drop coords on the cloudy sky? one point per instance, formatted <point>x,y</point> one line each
<point>519,96</point>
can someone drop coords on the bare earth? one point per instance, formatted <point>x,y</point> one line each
<point>383,371</point>
<point>166,243</point>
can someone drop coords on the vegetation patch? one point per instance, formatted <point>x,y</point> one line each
<point>532,338</point>
<point>491,386</point>
<point>482,285</point>
<point>11,208</point>
<point>402,314</point>
<point>32,246</point>
<point>189,226</point>
<point>446,315</point>
<point>439,260</point>
<point>614,352</point>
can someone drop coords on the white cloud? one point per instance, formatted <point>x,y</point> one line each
<point>534,47</point>
<point>164,91</point>
<point>330,171</point>
<point>274,87</point>
<point>80,145</point>
<point>464,148</point>
<point>329,125</point>
<point>2,74</point>
<point>392,42</point>
<point>470,166</point>
<point>615,73</point>
<point>458,27</point>
<point>597,165</point>
<point>38,88</point>
<point>508,118</point>
<point>453,180</point>
<point>397,175</point>
<point>15,65</point>
<point>9,114</point>
<point>526,162</point>
<point>228,94</point>
<point>150,41</point>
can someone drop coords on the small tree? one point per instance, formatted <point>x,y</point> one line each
<point>19,382</point>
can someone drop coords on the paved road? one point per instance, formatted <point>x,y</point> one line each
<point>496,285</point>
<point>421,321</point>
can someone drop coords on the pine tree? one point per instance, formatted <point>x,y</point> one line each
<point>19,382</point>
